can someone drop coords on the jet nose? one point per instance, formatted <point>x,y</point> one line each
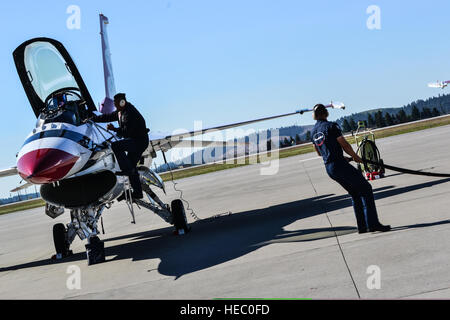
<point>45,165</point>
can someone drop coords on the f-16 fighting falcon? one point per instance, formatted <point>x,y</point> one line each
<point>81,166</point>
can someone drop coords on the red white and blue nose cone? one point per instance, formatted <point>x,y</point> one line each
<point>43,166</point>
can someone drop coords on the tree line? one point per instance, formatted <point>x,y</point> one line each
<point>380,120</point>
<point>290,141</point>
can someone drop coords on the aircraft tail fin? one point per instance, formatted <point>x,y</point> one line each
<point>107,105</point>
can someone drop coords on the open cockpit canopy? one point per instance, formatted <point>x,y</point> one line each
<point>50,78</point>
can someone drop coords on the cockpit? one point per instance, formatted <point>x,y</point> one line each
<point>64,105</point>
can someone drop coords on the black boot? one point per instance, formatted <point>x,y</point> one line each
<point>380,227</point>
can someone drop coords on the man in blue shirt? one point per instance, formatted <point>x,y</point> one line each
<point>329,143</point>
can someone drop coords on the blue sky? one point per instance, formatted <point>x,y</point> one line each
<point>226,61</point>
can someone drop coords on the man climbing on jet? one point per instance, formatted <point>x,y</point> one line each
<point>133,130</point>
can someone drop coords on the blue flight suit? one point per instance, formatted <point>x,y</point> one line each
<point>324,136</point>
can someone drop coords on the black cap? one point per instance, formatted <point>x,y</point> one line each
<point>120,96</point>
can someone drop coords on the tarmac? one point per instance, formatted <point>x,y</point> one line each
<point>288,235</point>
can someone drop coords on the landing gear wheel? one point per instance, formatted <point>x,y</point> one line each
<point>60,241</point>
<point>179,217</point>
<point>95,251</point>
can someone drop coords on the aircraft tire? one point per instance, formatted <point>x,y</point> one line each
<point>60,241</point>
<point>95,251</point>
<point>179,217</point>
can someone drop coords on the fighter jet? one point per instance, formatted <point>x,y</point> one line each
<point>70,157</point>
<point>439,84</point>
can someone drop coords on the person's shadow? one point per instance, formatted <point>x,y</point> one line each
<point>229,237</point>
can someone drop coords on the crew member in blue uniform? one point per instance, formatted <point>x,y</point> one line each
<point>133,130</point>
<point>329,143</point>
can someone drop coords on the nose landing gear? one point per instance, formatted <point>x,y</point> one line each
<point>84,224</point>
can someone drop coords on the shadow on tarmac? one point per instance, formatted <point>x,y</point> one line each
<point>229,237</point>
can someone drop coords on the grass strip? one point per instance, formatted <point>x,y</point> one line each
<point>19,206</point>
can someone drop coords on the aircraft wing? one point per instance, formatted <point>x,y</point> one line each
<point>26,185</point>
<point>201,144</point>
<point>8,172</point>
<point>176,140</point>
<point>165,143</point>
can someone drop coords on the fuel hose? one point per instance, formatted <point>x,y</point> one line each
<point>407,171</point>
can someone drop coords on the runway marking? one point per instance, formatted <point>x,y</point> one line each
<point>336,236</point>
<point>304,160</point>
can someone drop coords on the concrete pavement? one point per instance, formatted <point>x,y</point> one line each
<point>289,235</point>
